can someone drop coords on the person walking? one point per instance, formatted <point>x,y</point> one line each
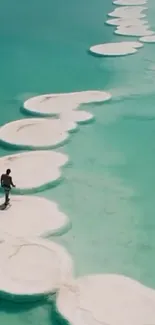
<point>6,184</point>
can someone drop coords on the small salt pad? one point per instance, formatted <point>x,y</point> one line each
<point>126,22</point>
<point>133,31</point>
<point>36,133</point>
<point>55,104</point>
<point>31,216</point>
<point>129,2</point>
<point>115,49</point>
<point>128,12</point>
<point>33,267</point>
<point>34,170</point>
<point>77,116</point>
<point>148,39</point>
<point>106,299</point>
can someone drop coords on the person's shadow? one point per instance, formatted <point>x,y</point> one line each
<point>4,206</point>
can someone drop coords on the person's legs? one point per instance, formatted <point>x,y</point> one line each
<point>7,191</point>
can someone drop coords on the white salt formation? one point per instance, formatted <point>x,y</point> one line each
<point>126,22</point>
<point>55,104</point>
<point>133,31</point>
<point>36,133</point>
<point>106,299</point>
<point>31,216</point>
<point>128,12</point>
<point>33,267</point>
<point>116,49</point>
<point>77,116</point>
<point>34,170</point>
<point>134,44</point>
<point>129,2</point>
<point>148,39</point>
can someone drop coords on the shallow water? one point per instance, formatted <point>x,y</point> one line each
<point>108,191</point>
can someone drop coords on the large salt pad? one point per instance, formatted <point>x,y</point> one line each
<point>54,104</point>
<point>31,216</point>
<point>34,170</point>
<point>33,267</point>
<point>36,133</point>
<point>107,299</point>
<point>115,49</point>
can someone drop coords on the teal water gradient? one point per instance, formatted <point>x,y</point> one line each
<point>108,191</point>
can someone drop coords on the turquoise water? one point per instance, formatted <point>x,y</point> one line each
<point>108,191</point>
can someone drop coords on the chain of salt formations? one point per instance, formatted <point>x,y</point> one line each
<point>126,26</point>
<point>95,299</point>
<point>110,298</point>
<point>31,266</point>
